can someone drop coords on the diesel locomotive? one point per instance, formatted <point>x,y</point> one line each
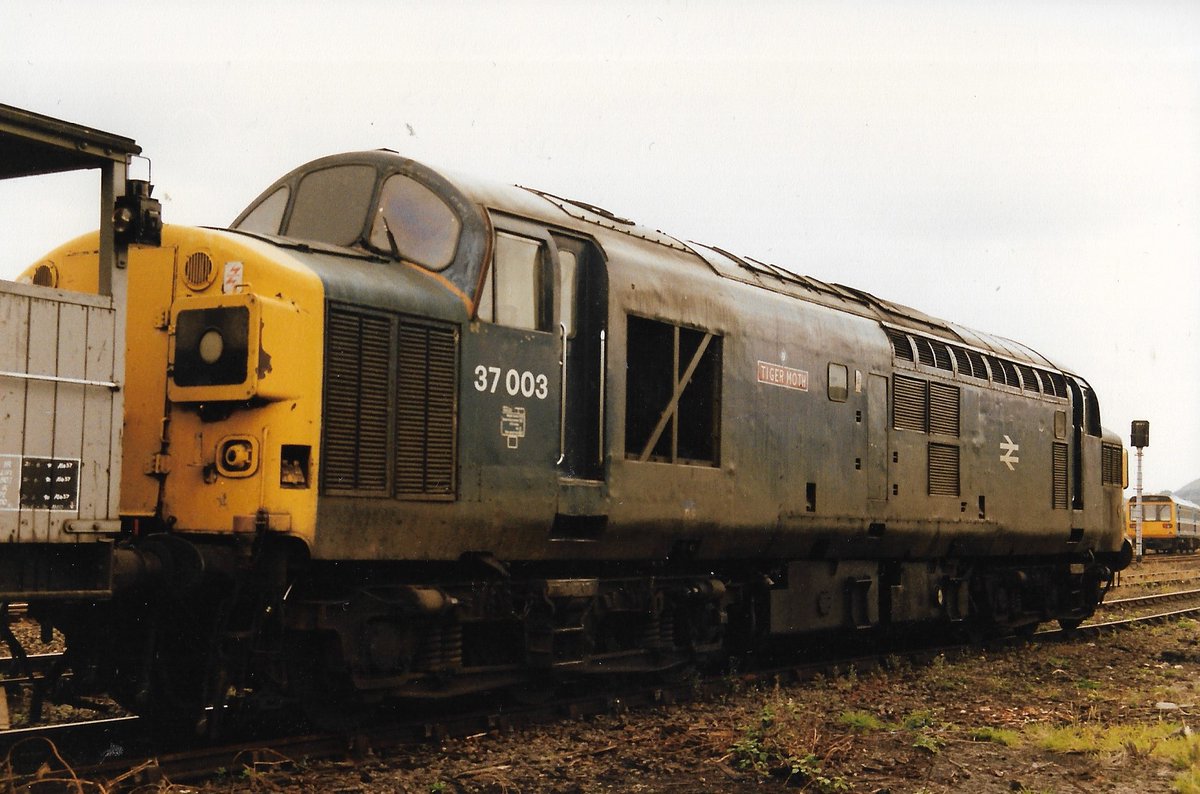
<point>396,433</point>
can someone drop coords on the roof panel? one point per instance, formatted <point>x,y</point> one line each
<point>31,144</point>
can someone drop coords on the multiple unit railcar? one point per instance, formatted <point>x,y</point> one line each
<point>396,433</point>
<point>1169,524</point>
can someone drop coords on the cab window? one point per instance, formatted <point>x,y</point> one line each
<point>268,215</point>
<point>414,223</point>
<point>331,205</point>
<point>514,290</point>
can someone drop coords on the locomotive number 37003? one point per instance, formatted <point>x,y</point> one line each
<point>527,384</point>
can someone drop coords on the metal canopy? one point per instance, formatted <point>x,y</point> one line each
<point>34,144</point>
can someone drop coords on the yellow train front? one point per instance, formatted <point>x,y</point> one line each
<point>1169,524</point>
<point>395,434</point>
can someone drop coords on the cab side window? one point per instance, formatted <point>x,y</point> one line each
<point>515,289</point>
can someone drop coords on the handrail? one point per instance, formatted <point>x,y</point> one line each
<point>56,379</point>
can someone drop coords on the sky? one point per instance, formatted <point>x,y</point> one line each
<point>1030,169</point>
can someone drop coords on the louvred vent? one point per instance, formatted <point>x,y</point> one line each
<point>943,470</point>
<point>1058,498</point>
<point>425,417</point>
<point>390,419</point>
<point>356,403</point>
<point>909,409</point>
<point>943,409</point>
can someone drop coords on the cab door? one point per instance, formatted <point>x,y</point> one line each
<point>511,404</point>
<point>582,311</point>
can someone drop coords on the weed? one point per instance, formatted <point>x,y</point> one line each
<point>848,682</point>
<point>1137,740</point>
<point>1188,782</point>
<point>809,770</point>
<point>750,754</point>
<point>861,721</point>
<point>784,740</point>
<point>930,744</point>
<point>920,719</point>
<point>1002,736</point>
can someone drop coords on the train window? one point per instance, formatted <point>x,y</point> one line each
<point>267,217</point>
<point>514,288</point>
<point>672,394</point>
<point>422,228</point>
<point>331,204</point>
<point>839,382</point>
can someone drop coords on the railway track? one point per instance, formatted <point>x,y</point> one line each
<point>118,750</point>
<point>1160,569</point>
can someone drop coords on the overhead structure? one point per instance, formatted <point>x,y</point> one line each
<point>60,444</point>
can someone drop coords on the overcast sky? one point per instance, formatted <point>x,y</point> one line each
<point>1030,169</point>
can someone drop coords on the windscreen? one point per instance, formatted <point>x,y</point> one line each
<point>331,205</point>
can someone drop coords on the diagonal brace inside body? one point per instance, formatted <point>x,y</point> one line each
<point>673,404</point>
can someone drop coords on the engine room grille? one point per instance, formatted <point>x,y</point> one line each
<point>426,393</point>
<point>909,406</point>
<point>900,344</point>
<point>357,395</point>
<point>390,418</point>
<point>1058,498</point>
<point>1029,378</point>
<point>943,409</point>
<point>1111,470</point>
<point>943,470</point>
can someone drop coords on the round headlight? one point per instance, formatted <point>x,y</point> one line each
<point>211,346</point>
